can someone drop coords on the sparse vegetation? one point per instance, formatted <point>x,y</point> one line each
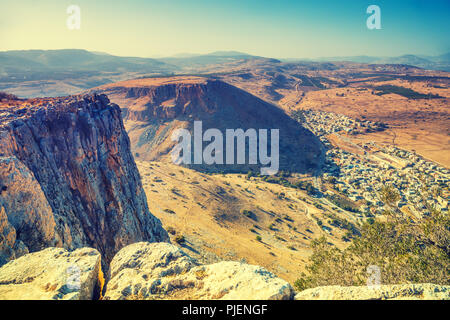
<point>342,202</point>
<point>171,230</point>
<point>180,239</point>
<point>338,222</point>
<point>404,250</point>
<point>404,92</point>
<point>248,214</point>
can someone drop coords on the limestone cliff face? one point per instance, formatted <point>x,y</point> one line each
<point>67,178</point>
<point>172,100</point>
<point>26,218</point>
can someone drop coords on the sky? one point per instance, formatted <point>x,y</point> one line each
<point>277,28</point>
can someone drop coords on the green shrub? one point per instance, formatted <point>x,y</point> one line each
<point>180,239</point>
<point>405,92</point>
<point>171,230</point>
<point>405,251</point>
<point>249,214</point>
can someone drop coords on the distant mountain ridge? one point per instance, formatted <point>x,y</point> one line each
<point>32,73</point>
<point>217,57</point>
<point>83,60</point>
<point>51,73</point>
<point>75,60</point>
<point>440,62</point>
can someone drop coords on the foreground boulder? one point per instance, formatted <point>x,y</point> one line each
<point>68,178</point>
<point>53,273</point>
<point>162,271</point>
<point>385,292</point>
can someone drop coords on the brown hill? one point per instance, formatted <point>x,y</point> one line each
<point>413,102</point>
<point>154,108</point>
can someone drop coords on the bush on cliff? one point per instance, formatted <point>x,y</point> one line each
<point>405,251</point>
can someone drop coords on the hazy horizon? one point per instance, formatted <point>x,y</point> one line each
<point>193,54</point>
<point>282,29</point>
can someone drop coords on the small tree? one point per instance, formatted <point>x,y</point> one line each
<point>405,251</point>
<point>180,239</point>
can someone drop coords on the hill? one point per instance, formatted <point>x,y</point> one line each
<point>204,61</point>
<point>74,60</point>
<point>154,108</point>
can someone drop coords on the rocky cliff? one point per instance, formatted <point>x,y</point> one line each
<point>67,178</point>
<point>154,108</point>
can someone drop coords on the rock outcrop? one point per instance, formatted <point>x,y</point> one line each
<point>68,179</point>
<point>154,108</point>
<point>53,274</point>
<point>384,292</point>
<point>162,271</point>
<point>146,270</point>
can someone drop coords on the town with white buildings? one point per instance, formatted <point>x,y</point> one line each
<point>360,176</point>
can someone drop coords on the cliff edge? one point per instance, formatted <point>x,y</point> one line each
<point>68,179</point>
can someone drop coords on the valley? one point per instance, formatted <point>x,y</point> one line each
<point>224,150</point>
<point>271,222</point>
<point>221,217</point>
<point>372,138</point>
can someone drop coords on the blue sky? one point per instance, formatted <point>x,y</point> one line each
<point>278,28</point>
